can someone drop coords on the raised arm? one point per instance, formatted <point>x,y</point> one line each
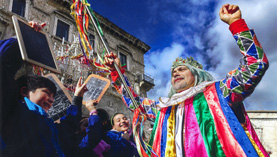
<point>76,108</point>
<point>241,82</point>
<point>70,122</point>
<point>94,129</point>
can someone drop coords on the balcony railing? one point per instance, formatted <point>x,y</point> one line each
<point>147,78</point>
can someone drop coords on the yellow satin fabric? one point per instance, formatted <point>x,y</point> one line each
<point>259,152</point>
<point>170,149</point>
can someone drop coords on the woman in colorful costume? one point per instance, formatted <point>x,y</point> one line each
<point>203,117</point>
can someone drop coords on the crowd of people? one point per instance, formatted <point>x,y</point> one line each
<point>27,130</point>
<point>201,117</point>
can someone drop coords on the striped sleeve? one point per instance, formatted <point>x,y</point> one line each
<point>241,82</point>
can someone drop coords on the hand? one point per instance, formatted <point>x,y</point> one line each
<point>126,136</point>
<point>37,27</point>
<point>110,59</point>
<point>229,13</point>
<point>90,105</point>
<point>80,88</point>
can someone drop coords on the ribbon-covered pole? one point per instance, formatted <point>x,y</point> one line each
<point>115,65</point>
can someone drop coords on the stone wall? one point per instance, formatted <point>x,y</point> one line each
<point>265,125</point>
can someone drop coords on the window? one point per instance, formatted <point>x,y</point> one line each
<point>18,7</point>
<point>62,30</point>
<point>91,39</point>
<point>123,60</point>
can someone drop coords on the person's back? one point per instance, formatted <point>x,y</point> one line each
<point>92,143</point>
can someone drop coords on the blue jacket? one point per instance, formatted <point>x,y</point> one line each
<point>93,137</point>
<point>29,131</point>
<point>119,146</point>
<point>10,63</point>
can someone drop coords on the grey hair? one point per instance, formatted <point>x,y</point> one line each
<point>200,76</point>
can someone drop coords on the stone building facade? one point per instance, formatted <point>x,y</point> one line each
<point>62,29</point>
<point>265,125</point>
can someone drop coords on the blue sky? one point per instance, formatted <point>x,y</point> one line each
<point>174,28</point>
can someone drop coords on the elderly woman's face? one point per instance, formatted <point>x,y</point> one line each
<point>182,79</point>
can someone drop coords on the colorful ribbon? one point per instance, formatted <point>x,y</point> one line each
<point>81,17</point>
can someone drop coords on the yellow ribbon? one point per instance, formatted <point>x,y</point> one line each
<point>259,152</point>
<point>170,149</point>
<point>79,29</point>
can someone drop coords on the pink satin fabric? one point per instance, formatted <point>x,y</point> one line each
<point>194,144</point>
<point>253,134</point>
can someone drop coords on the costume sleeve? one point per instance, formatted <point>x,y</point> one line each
<point>242,81</point>
<point>94,134</point>
<point>147,106</point>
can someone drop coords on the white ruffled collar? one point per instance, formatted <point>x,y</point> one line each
<point>181,97</point>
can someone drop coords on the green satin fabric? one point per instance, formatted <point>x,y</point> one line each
<point>154,129</point>
<point>207,126</point>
